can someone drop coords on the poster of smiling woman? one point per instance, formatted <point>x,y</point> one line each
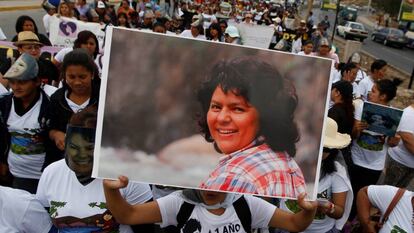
<point>196,114</point>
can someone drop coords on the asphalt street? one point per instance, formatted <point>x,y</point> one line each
<point>400,58</point>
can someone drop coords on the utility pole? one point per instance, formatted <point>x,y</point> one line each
<point>336,19</point>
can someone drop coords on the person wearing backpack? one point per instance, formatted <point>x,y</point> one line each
<point>206,211</point>
<point>395,204</point>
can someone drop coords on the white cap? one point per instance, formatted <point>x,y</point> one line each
<point>232,31</point>
<point>101,4</point>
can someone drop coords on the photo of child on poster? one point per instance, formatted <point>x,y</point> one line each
<point>196,114</point>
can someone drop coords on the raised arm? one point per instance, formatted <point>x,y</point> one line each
<point>124,212</point>
<point>295,222</point>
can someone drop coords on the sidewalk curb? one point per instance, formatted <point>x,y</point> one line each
<point>16,8</point>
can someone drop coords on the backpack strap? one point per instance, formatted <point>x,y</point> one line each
<point>243,212</point>
<point>393,203</point>
<point>184,213</point>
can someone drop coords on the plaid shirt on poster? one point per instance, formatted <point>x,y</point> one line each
<point>257,169</point>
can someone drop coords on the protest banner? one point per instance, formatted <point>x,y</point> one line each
<point>381,119</point>
<point>255,35</point>
<point>7,49</point>
<point>63,31</point>
<point>406,11</point>
<point>149,117</point>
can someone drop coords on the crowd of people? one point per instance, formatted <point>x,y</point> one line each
<point>48,115</point>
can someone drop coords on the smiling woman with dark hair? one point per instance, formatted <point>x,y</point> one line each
<point>248,113</point>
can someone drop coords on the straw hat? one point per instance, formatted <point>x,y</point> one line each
<point>333,139</point>
<point>27,37</point>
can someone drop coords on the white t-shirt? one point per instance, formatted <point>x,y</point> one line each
<point>27,149</point>
<point>187,33</point>
<point>46,22</point>
<point>297,45</point>
<point>208,19</point>
<point>21,212</point>
<point>360,75</point>
<point>62,53</point>
<point>261,212</point>
<point>401,216</point>
<point>49,89</point>
<point>368,150</point>
<point>364,87</point>
<point>74,106</point>
<point>329,184</point>
<point>400,152</point>
<point>85,206</point>
<point>303,53</point>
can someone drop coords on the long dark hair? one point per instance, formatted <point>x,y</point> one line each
<point>20,22</point>
<point>262,86</point>
<point>83,37</point>
<point>388,87</point>
<point>328,164</point>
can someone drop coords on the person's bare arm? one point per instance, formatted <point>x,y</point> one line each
<point>363,209</point>
<point>408,140</point>
<point>58,137</point>
<point>124,212</point>
<point>338,201</point>
<point>295,222</point>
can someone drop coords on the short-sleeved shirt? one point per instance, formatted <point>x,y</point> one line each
<point>82,208</point>
<point>257,169</point>
<point>206,222</point>
<point>400,219</point>
<point>400,153</point>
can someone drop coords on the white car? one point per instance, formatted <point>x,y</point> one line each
<point>352,30</point>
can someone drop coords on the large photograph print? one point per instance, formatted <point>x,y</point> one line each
<point>212,116</point>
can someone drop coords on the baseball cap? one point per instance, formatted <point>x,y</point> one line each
<point>232,31</point>
<point>24,68</point>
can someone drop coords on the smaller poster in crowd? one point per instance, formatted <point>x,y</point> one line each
<point>63,31</point>
<point>381,119</point>
<point>7,49</point>
<point>329,4</point>
<point>256,35</point>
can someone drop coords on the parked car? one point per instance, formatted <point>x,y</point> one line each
<point>352,30</point>
<point>390,36</point>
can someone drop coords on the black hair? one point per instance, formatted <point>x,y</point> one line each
<point>263,87</point>
<point>347,67</point>
<point>328,164</point>
<point>223,22</point>
<point>307,42</point>
<point>83,37</point>
<point>388,87</point>
<point>85,118</point>
<point>20,22</point>
<point>80,57</point>
<point>158,24</point>
<point>215,26</point>
<point>125,16</point>
<point>378,64</point>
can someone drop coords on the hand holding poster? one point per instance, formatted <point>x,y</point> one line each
<point>159,118</point>
<point>381,119</point>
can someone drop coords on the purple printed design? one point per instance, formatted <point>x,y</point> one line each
<point>68,29</point>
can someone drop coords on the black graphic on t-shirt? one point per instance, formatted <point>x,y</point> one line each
<point>192,226</point>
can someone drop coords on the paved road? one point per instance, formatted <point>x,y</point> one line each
<point>400,58</point>
<point>8,20</point>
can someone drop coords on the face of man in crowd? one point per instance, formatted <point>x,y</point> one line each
<point>233,123</point>
<point>379,74</point>
<point>28,26</point>
<point>79,79</point>
<point>24,89</point>
<point>90,46</point>
<point>33,49</point>
<point>79,153</point>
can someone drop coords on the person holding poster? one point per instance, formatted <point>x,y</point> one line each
<point>206,211</point>
<point>80,89</point>
<point>334,189</point>
<point>76,200</point>
<point>247,112</point>
<point>369,148</point>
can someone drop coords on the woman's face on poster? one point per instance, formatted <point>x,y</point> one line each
<point>233,123</point>
<point>79,153</point>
